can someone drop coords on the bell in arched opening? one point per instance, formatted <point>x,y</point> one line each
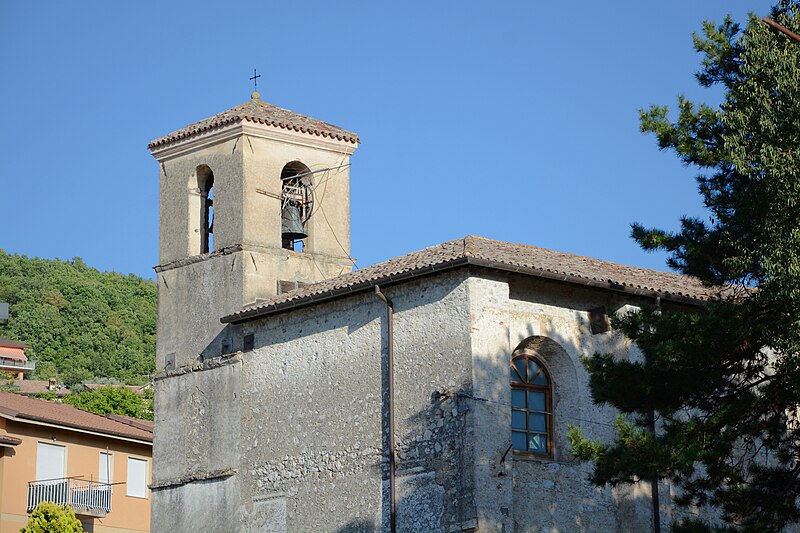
<point>291,224</point>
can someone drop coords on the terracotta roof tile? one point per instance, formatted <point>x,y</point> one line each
<point>8,440</point>
<point>8,343</point>
<point>263,113</point>
<point>480,251</point>
<point>37,386</point>
<point>23,407</point>
<point>146,425</point>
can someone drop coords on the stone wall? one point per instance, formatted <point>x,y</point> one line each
<point>292,435</point>
<point>315,414</point>
<point>529,493</point>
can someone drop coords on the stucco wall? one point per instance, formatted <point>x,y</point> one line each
<point>546,494</point>
<point>82,461</point>
<point>195,447</point>
<point>247,259</point>
<point>314,409</point>
<point>291,436</point>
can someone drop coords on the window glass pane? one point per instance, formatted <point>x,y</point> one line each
<point>518,440</point>
<point>518,398</point>
<point>533,368</point>
<point>514,375</point>
<point>541,379</point>
<point>538,422</point>
<point>518,419</point>
<point>520,364</point>
<point>537,443</point>
<point>536,401</point>
<point>137,477</point>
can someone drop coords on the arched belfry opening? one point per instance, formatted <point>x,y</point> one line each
<point>296,204</point>
<point>205,186</point>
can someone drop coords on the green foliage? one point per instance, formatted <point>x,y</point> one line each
<point>7,382</point>
<point>83,323</point>
<point>51,518</point>
<point>114,400</point>
<point>723,379</point>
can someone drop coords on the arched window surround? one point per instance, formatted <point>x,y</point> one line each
<point>532,425</point>
<point>201,211</point>
<point>295,190</point>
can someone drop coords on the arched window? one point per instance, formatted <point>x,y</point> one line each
<point>205,185</point>
<point>296,205</point>
<point>531,405</point>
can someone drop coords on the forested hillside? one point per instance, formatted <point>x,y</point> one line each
<point>84,323</point>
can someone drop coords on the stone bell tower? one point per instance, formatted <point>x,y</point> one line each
<point>254,201</point>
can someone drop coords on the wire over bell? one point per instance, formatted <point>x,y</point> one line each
<point>291,225</point>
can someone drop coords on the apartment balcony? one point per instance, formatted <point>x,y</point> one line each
<point>16,365</point>
<point>88,498</point>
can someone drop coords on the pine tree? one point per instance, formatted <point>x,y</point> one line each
<point>723,380</point>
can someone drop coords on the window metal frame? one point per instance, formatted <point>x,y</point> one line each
<point>529,386</point>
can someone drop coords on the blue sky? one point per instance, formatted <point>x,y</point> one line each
<point>516,120</point>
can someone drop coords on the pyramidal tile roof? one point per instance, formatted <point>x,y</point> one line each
<point>262,113</point>
<point>482,252</point>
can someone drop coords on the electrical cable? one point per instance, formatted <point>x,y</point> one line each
<point>509,406</point>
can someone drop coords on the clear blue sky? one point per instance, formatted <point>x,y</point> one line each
<point>512,120</point>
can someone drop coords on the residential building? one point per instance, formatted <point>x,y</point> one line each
<point>13,358</point>
<point>98,465</point>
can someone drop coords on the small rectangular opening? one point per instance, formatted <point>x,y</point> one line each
<point>249,342</point>
<point>598,320</point>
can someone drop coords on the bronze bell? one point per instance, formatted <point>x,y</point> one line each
<point>291,225</point>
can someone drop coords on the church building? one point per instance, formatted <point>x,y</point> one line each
<point>428,393</point>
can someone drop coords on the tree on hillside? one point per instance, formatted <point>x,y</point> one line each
<point>82,323</point>
<point>724,380</point>
<point>114,400</point>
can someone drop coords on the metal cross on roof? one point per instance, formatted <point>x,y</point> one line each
<point>255,78</point>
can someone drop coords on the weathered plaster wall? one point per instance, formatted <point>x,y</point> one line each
<point>196,448</point>
<point>191,299</point>
<point>264,159</point>
<point>551,319</point>
<point>179,234</point>
<point>247,259</point>
<point>314,409</point>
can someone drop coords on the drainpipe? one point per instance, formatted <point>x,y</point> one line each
<point>390,378</point>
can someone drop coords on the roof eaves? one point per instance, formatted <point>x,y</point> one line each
<point>332,294</point>
<point>466,259</point>
<point>8,343</point>
<point>26,418</point>
<point>9,441</point>
<point>590,282</point>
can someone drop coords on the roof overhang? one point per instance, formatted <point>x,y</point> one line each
<point>41,421</point>
<point>313,299</point>
<point>242,127</point>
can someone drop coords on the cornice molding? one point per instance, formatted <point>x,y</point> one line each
<point>244,127</point>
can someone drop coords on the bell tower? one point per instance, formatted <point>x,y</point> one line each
<point>254,201</point>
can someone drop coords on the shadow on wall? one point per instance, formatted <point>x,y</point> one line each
<point>436,488</point>
<point>454,457</point>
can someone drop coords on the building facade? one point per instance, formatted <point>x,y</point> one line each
<point>432,392</point>
<point>99,466</point>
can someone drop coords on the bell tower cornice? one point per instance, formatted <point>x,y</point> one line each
<point>245,128</point>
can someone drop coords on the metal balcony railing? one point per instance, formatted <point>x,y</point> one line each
<point>16,364</point>
<point>85,497</point>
